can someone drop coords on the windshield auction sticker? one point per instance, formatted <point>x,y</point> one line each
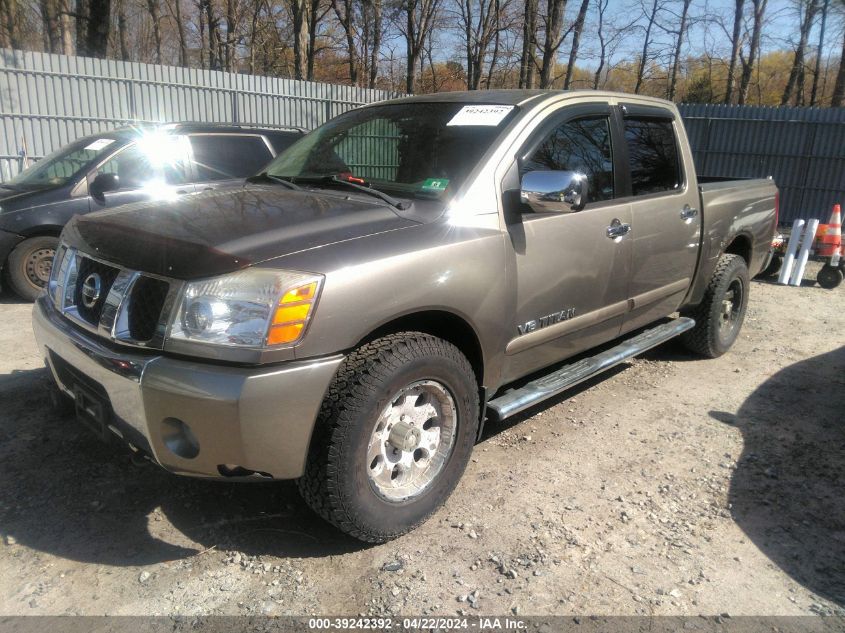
<point>481,115</point>
<point>99,144</point>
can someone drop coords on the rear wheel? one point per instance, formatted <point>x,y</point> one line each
<point>719,316</point>
<point>30,264</point>
<point>393,436</point>
<point>829,277</point>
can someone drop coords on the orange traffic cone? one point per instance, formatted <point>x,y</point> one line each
<point>830,239</point>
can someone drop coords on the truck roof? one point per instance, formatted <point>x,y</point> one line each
<point>511,97</point>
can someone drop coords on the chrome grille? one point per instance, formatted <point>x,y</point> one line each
<point>113,302</point>
<point>90,271</point>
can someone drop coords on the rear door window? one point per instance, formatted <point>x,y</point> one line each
<point>653,156</point>
<point>228,156</point>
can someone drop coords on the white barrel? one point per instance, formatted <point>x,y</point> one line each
<point>791,247</point>
<point>804,253</point>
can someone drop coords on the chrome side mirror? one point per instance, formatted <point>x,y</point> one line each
<point>554,191</point>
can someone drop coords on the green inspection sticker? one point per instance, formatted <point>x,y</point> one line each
<point>435,184</point>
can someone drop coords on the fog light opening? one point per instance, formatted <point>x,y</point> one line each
<point>179,438</point>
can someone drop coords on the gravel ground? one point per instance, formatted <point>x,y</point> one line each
<point>672,485</point>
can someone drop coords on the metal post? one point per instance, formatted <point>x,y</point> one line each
<point>791,248</point>
<point>804,254</point>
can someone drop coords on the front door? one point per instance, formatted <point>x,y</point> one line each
<point>152,168</point>
<point>572,277</point>
<point>666,221</point>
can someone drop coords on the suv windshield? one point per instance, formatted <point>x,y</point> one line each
<point>60,166</point>
<point>415,149</point>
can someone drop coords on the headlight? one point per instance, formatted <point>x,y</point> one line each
<point>255,308</point>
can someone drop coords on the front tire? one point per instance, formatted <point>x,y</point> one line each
<point>393,436</point>
<point>30,264</point>
<point>719,316</point>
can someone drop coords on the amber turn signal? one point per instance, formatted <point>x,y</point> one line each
<point>291,314</point>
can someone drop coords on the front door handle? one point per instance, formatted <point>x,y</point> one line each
<point>618,228</point>
<point>688,213</point>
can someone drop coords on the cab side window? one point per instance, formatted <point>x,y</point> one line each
<point>583,146</point>
<point>653,156</point>
<point>132,167</point>
<point>228,156</point>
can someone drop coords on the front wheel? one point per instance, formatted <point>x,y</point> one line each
<point>719,316</point>
<point>30,264</point>
<point>393,437</point>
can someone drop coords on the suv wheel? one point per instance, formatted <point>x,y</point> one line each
<point>30,264</point>
<point>393,437</point>
<point>719,316</point>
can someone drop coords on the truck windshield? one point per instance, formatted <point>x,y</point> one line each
<point>414,149</point>
<point>60,166</point>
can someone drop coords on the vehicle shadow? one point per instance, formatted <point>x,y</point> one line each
<point>64,492</point>
<point>786,492</point>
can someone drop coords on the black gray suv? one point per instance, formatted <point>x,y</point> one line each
<point>131,164</point>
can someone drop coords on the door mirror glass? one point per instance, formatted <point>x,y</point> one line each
<point>103,183</point>
<point>554,191</point>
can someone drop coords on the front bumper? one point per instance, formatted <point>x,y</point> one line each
<point>259,418</point>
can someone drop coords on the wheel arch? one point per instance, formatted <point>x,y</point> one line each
<point>740,244</point>
<point>440,323</point>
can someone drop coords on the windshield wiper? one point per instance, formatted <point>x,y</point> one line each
<point>393,202</point>
<point>265,176</point>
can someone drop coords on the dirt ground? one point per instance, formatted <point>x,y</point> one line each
<point>672,485</point>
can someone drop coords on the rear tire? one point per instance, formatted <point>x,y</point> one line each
<point>829,277</point>
<point>30,264</point>
<point>719,316</point>
<point>349,476</point>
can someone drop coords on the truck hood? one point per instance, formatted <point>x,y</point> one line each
<point>225,230</point>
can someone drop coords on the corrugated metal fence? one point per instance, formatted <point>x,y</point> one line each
<point>802,148</point>
<point>47,100</point>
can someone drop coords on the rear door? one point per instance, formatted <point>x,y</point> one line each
<point>666,221</point>
<point>225,159</point>
<point>572,277</point>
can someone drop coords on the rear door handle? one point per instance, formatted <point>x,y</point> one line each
<point>617,229</point>
<point>688,213</point>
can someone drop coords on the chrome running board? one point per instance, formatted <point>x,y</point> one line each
<point>517,400</point>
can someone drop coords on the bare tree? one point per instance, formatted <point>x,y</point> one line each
<point>52,29</point>
<point>122,30</point>
<point>344,10</point>
<point>651,20</point>
<point>528,61</point>
<point>371,33</point>
<point>299,13</point>
<point>576,40</point>
<point>679,41</point>
<point>796,74</point>
<point>601,7</point>
<point>736,45</point>
<point>10,35</point>
<point>176,12</point>
<point>750,62</point>
<point>99,22</point>
<point>553,38</point>
<point>154,10</point>
<point>479,21</point>
<point>814,92</point>
<point>838,98</point>
<point>419,17</point>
